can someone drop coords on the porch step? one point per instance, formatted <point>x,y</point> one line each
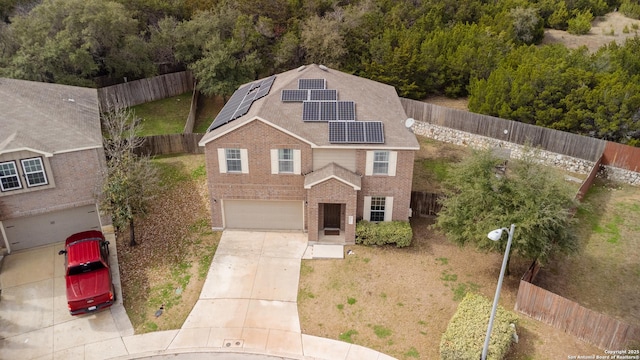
<point>321,251</point>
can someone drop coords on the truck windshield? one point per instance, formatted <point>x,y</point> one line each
<point>92,266</point>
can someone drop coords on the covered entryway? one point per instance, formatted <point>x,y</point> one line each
<point>56,226</point>
<point>263,214</point>
<point>332,216</point>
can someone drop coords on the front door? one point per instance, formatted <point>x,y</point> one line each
<point>332,216</point>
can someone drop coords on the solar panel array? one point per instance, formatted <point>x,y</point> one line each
<point>328,110</point>
<point>298,95</point>
<point>363,132</point>
<point>241,101</point>
<point>320,104</point>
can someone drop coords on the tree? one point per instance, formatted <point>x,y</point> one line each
<point>528,194</point>
<point>131,181</point>
<point>72,41</point>
<point>322,40</point>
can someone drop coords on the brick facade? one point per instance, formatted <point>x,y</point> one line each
<point>259,184</point>
<point>77,176</point>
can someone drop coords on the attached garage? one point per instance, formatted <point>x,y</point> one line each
<point>44,229</point>
<point>263,215</point>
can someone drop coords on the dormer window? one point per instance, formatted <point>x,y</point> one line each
<point>34,172</point>
<point>9,178</point>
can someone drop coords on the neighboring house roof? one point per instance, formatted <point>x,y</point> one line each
<point>374,101</point>
<point>332,171</point>
<point>47,118</point>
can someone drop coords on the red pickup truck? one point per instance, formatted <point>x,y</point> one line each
<point>88,275</point>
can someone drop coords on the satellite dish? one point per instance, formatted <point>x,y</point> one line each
<point>409,123</point>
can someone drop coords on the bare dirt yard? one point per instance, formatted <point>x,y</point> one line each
<point>604,30</point>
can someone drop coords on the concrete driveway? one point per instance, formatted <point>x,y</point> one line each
<point>248,306</point>
<point>34,319</point>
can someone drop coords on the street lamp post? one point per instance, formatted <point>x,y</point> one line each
<point>495,235</point>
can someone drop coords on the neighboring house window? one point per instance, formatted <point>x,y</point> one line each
<point>285,160</point>
<point>377,208</point>
<point>9,179</point>
<point>380,162</point>
<point>234,161</point>
<point>34,172</point>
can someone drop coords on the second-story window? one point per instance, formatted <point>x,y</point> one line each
<point>380,162</point>
<point>285,160</point>
<point>234,161</point>
<point>34,172</point>
<point>9,179</point>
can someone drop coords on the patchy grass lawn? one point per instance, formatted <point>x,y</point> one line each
<point>167,116</point>
<point>175,248</point>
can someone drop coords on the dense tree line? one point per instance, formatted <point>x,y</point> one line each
<point>422,47</point>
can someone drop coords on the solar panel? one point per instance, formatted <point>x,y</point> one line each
<point>311,111</point>
<point>374,132</point>
<point>311,84</point>
<point>327,110</point>
<point>354,132</point>
<point>337,132</point>
<point>346,110</point>
<point>295,95</point>
<point>323,95</point>
<point>241,100</point>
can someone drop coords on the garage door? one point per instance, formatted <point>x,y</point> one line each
<point>264,215</point>
<point>52,227</point>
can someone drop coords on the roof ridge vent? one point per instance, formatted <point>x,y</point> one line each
<point>323,68</point>
<point>302,68</point>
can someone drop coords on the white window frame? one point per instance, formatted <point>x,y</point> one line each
<point>388,207</point>
<point>223,165</point>
<point>276,159</point>
<point>15,175</point>
<point>38,161</point>
<point>371,159</point>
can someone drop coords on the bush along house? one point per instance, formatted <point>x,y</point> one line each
<point>311,149</point>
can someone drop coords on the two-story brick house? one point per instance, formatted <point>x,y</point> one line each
<point>51,162</point>
<point>311,149</point>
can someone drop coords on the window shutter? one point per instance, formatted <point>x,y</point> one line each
<point>244,160</point>
<point>369,164</point>
<point>393,160</point>
<point>275,167</point>
<point>297,161</point>
<point>388,208</point>
<point>222,161</point>
<point>366,213</point>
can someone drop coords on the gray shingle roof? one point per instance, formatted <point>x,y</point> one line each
<point>374,102</point>
<point>46,117</point>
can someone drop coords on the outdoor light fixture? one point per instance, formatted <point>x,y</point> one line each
<point>496,235</point>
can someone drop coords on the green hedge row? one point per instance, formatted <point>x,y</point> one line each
<point>464,337</point>
<point>385,232</point>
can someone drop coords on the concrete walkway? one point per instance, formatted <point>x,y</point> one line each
<point>247,308</point>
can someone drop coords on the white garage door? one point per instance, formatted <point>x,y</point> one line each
<point>48,228</point>
<point>264,215</point>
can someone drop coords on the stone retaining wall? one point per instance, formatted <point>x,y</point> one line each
<point>515,151</point>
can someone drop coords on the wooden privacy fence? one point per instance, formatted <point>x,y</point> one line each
<point>622,156</point>
<point>598,329</point>
<point>425,204</point>
<point>171,144</point>
<point>144,90</point>
<point>559,142</point>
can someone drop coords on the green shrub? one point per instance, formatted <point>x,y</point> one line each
<point>464,337</point>
<point>630,9</point>
<point>581,23</point>
<point>386,232</point>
